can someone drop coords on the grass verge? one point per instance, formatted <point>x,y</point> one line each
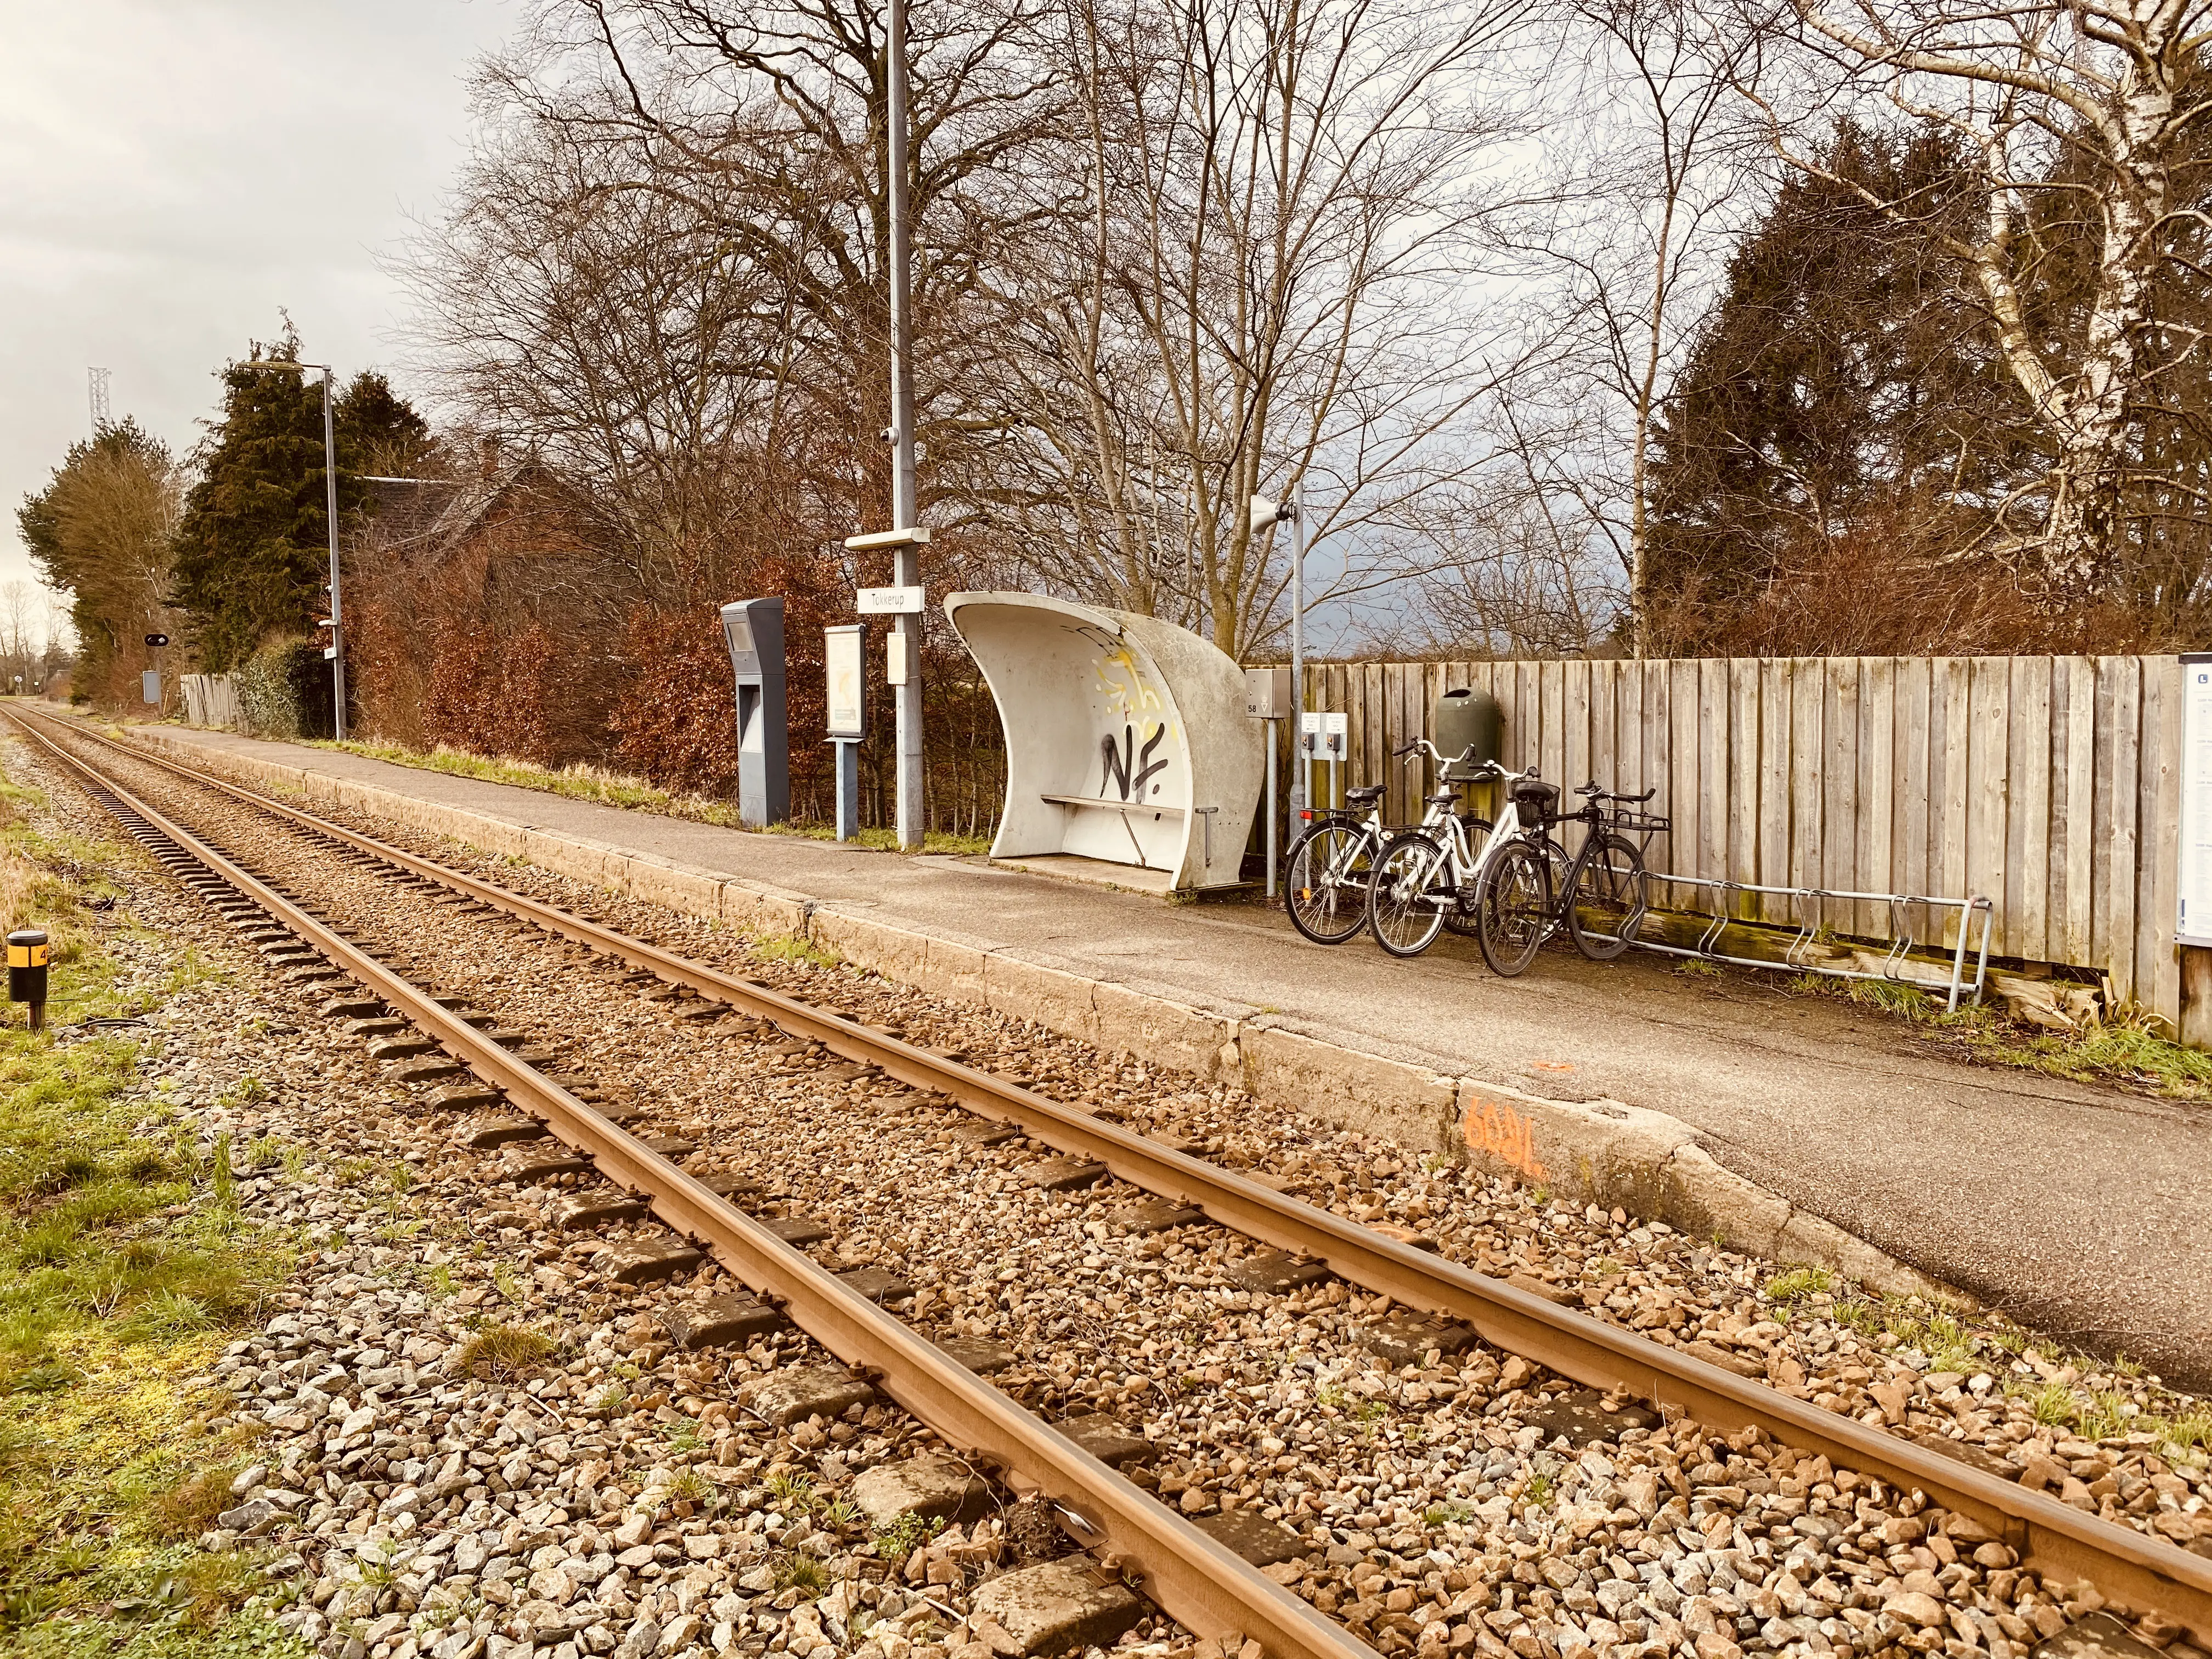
<point>606,788</point>
<point>2129,1050</point>
<point>122,1264</point>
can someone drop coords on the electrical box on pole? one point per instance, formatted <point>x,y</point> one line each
<point>753,630</point>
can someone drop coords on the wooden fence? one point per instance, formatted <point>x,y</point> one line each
<point>2050,784</point>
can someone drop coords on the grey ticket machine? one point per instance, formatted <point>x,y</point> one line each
<point>754,631</point>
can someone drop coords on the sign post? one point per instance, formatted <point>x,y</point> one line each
<point>844,660</point>
<point>902,653</point>
<point>1268,699</point>
<point>2192,930</point>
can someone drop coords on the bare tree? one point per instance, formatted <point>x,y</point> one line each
<point>1256,269</point>
<point>1653,177</point>
<point>2071,109</point>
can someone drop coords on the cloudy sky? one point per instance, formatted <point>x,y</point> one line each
<point>172,173</point>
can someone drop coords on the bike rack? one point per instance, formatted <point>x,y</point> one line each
<point>1808,922</point>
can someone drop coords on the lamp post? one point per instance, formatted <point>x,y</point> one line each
<point>1265,513</point>
<point>905,509</point>
<point>336,618</point>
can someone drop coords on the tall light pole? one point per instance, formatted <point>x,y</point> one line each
<point>906,559</point>
<point>331,515</point>
<point>1265,513</point>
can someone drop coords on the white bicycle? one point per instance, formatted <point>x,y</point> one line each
<point>1431,875</point>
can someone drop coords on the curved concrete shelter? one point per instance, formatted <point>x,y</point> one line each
<point>1128,743</point>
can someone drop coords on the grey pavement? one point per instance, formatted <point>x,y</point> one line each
<point>2082,1211</point>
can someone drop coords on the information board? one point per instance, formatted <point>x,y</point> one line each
<point>844,655</point>
<point>2194,925</point>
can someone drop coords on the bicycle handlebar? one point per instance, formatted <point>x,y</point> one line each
<point>1595,794</point>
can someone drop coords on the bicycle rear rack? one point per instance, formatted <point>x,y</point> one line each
<point>1800,954</point>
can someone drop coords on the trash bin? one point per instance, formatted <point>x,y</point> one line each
<point>1462,718</point>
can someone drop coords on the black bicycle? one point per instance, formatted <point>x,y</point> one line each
<point>1531,889</point>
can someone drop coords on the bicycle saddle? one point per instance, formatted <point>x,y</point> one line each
<point>1534,793</point>
<point>1443,798</point>
<point>1365,795</point>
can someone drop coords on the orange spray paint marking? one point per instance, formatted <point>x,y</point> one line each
<point>1494,1128</point>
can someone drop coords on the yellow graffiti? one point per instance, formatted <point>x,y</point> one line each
<point>1493,1127</point>
<point>1123,684</point>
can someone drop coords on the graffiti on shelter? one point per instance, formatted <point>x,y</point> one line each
<point>1493,1128</point>
<point>1128,767</point>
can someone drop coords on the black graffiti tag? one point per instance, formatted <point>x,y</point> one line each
<point>1119,759</point>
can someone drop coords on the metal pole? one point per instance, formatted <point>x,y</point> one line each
<point>1302,776</point>
<point>907,561</point>
<point>849,790</point>
<point>330,511</point>
<point>1268,727</point>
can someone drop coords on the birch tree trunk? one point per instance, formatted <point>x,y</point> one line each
<point>2089,100</point>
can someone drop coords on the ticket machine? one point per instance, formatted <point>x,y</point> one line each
<point>753,630</point>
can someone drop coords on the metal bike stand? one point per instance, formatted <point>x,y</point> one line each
<point>1808,905</point>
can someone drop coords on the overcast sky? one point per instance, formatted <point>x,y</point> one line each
<point>171,173</point>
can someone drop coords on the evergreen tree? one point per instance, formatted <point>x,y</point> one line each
<point>1845,459</point>
<point>253,552</point>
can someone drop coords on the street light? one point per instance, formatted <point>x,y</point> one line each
<point>336,619</point>
<point>1265,513</point>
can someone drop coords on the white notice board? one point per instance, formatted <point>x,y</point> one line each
<point>2194,925</point>
<point>843,655</point>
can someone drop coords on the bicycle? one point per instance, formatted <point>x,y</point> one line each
<point>1329,865</point>
<point>1601,900</point>
<point>1430,875</point>
<point>1325,877</point>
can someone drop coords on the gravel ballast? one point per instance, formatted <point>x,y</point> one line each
<point>620,1495</point>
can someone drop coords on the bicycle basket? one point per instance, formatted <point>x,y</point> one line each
<point>1536,799</point>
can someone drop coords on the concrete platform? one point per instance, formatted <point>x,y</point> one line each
<point>2084,1211</point>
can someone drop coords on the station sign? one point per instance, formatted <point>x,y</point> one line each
<point>889,601</point>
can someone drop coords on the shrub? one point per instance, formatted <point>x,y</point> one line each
<point>285,691</point>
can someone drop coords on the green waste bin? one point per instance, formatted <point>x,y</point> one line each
<point>1464,718</point>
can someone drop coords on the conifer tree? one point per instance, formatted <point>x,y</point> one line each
<point>253,552</point>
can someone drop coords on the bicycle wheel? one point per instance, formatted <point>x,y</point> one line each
<point>1460,918</point>
<point>1404,911</point>
<point>1610,893</point>
<point>1327,893</point>
<point>1511,910</point>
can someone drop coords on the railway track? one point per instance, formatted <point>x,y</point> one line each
<point>1191,1575</point>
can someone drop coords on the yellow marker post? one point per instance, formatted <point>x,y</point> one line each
<point>26,972</point>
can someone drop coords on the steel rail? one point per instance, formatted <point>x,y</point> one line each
<point>1193,1578</point>
<point>2059,1542</point>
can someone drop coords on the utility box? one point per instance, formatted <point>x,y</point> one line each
<point>1267,693</point>
<point>149,686</point>
<point>1462,718</point>
<point>753,630</point>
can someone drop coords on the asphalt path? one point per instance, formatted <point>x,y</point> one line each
<point>2082,1211</point>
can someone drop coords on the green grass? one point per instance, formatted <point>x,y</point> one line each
<point>907,1534</point>
<point>2128,1049</point>
<point>801,1572</point>
<point>789,947</point>
<point>606,788</point>
<point>503,1352</point>
<point>123,1269</point>
<point>1795,1284</point>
